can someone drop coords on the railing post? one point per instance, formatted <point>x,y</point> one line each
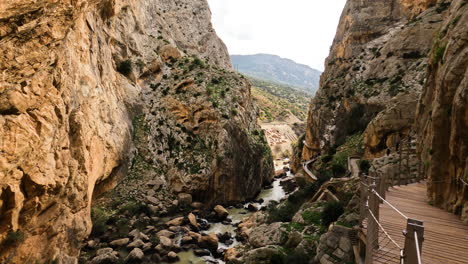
<point>372,227</point>
<point>411,250</point>
<point>363,198</point>
<point>399,165</point>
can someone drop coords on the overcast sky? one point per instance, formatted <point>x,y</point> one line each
<point>301,30</point>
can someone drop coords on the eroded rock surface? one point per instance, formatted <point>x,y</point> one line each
<point>82,82</point>
<point>442,118</point>
<point>380,55</point>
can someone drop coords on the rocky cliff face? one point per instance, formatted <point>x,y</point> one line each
<point>378,57</point>
<point>442,116</point>
<point>377,72</point>
<point>78,79</point>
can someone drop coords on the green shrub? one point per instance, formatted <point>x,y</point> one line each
<point>364,166</point>
<point>99,217</point>
<point>438,54</point>
<point>331,212</point>
<point>338,170</point>
<point>125,67</point>
<point>285,212</point>
<point>14,238</point>
<point>312,217</point>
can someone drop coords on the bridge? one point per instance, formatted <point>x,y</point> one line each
<point>400,226</point>
<point>305,166</point>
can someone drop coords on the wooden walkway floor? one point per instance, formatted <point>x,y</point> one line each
<point>445,236</point>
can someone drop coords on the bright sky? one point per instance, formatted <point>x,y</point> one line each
<point>301,30</point>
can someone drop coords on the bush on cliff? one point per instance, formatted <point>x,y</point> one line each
<point>286,211</point>
<point>14,238</point>
<point>331,212</point>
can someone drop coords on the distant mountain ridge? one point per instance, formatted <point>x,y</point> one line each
<point>274,68</point>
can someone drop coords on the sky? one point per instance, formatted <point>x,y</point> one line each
<point>301,30</point>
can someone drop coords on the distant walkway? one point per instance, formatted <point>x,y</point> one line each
<point>445,236</point>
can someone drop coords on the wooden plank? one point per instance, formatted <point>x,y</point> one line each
<point>445,238</point>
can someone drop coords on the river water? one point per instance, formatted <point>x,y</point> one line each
<point>237,215</point>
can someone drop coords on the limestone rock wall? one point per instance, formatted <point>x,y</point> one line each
<point>379,55</point>
<point>74,77</point>
<point>442,116</point>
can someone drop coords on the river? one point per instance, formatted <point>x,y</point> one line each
<point>237,215</point>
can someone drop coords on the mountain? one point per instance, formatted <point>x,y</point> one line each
<point>279,103</point>
<point>277,69</point>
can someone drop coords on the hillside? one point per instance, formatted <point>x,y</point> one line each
<point>279,103</point>
<point>279,70</point>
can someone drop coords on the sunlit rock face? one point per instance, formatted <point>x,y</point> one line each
<point>398,69</point>
<point>442,116</point>
<point>379,55</point>
<point>75,75</point>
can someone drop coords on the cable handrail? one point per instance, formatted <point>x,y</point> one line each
<point>389,204</point>
<point>418,251</point>
<point>381,227</point>
<point>464,182</point>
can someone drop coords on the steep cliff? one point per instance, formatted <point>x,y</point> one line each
<point>77,78</point>
<point>396,73</point>
<point>442,116</point>
<point>378,57</point>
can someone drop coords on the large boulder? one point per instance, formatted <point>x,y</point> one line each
<point>221,212</point>
<point>193,220</point>
<point>185,199</point>
<point>120,242</point>
<point>165,242</point>
<point>136,254</point>
<point>176,221</point>
<point>209,241</point>
<point>264,235</point>
<point>263,255</point>
<point>107,258</point>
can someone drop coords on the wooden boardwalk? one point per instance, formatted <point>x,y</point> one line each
<point>445,236</point>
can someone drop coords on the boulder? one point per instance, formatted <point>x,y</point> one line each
<point>108,258</point>
<point>120,242</point>
<point>136,234</point>
<point>265,235</point>
<point>221,212</point>
<point>197,205</point>
<point>186,240</point>
<point>252,208</point>
<point>165,242</point>
<point>176,221</point>
<point>261,255</point>
<point>147,246</point>
<point>172,256</point>
<point>165,233</point>
<point>194,235</point>
<point>136,254</point>
<point>185,199</point>
<point>91,244</point>
<point>209,241</point>
<point>230,254</point>
<point>136,244</point>
<point>103,251</point>
<point>294,239</point>
<point>152,200</point>
<point>223,238</point>
<point>201,252</point>
<point>193,220</point>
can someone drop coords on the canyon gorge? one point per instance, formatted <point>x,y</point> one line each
<point>126,136</point>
